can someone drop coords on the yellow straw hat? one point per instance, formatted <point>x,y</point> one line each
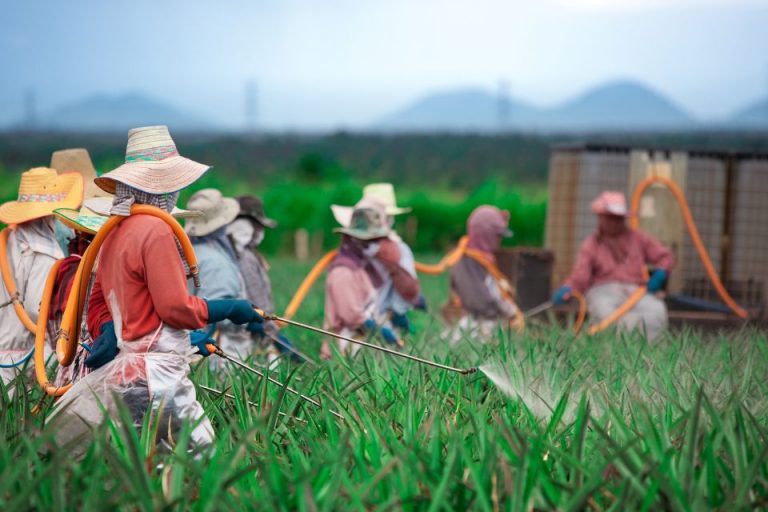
<point>78,159</point>
<point>41,191</point>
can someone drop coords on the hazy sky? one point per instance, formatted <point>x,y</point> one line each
<point>346,63</point>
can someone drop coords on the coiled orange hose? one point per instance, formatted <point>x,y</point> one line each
<point>449,260</point>
<point>69,334</point>
<point>42,320</point>
<point>10,284</point>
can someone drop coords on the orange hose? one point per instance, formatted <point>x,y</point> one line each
<point>10,284</point>
<point>69,334</point>
<point>306,284</point>
<point>449,260</point>
<point>42,320</point>
<point>692,230</point>
<point>582,311</point>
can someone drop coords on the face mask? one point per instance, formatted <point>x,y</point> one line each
<point>371,250</point>
<point>242,232</point>
<point>258,237</point>
<point>63,235</point>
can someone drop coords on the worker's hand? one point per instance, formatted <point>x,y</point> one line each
<point>256,328</point>
<point>237,311</point>
<point>389,253</point>
<point>200,338</point>
<point>562,295</point>
<point>657,280</point>
<point>420,304</point>
<point>390,336</point>
<point>401,321</point>
<point>104,347</point>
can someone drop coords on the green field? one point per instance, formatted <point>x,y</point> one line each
<point>607,423</point>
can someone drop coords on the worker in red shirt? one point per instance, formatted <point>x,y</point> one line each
<point>611,265</point>
<point>142,345</point>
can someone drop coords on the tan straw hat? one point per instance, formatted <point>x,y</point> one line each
<point>78,159</point>
<point>381,192</point>
<point>41,191</point>
<point>218,211</point>
<point>152,164</point>
<point>368,222</point>
<point>95,212</point>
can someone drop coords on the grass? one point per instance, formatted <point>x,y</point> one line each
<point>607,423</point>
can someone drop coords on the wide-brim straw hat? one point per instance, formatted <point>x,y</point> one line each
<point>610,203</point>
<point>41,191</point>
<point>381,192</point>
<point>253,208</point>
<point>78,159</point>
<point>217,212</point>
<point>152,164</point>
<point>95,212</point>
<point>368,222</point>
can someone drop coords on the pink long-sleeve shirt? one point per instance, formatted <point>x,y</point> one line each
<point>348,297</point>
<point>140,266</point>
<point>595,263</point>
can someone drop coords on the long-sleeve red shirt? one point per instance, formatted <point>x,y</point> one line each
<point>595,263</point>
<point>140,266</point>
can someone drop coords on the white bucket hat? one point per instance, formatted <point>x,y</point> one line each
<point>152,164</point>
<point>384,193</point>
<point>217,211</point>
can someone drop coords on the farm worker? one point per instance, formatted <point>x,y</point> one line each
<point>609,268</point>
<point>350,288</point>
<point>399,291</point>
<point>31,250</point>
<point>143,345</point>
<point>247,233</point>
<point>219,271</point>
<point>474,291</point>
<point>85,223</point>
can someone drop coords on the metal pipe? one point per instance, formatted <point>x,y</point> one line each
<point>232,397</point>
<point>217,350</point>
<point>463,371</point>
<point>539,309</point>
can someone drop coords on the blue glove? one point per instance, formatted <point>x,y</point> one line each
<point>256,328</point>
<point>401,322</point>
<point>104,347</point>
<point>561,295</point>
<point>420,304</point>
<point>370,325</point>
<point>200,338</point>
<point>284,346</point>
<point>389,335</point>
<point>657,280</point>
<point>237,311</point>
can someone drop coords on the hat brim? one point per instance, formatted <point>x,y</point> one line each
<point>363,235</point>
<point>74,219</point>
<point>103,205</point>
<point>342,214</point>
<point>15,212</point>
<point>260,219</point>
<point>197,226</point>
<point>154,177</point>
<point>396,210</point>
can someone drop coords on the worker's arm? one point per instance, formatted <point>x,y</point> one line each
<point>349,293</point>
<point>167,284</point>
<point>98,313</point>
<point>396,261</point>
<point>656,254</point>
<point>580,278</point>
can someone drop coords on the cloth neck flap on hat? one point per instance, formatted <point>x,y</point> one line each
<point>220,238</point>
<point>126,196</point>
<point>484,227</point>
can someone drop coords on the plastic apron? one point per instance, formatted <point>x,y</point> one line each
<point>150,372</point>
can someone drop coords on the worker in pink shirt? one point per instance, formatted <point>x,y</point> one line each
<point>611,265</point>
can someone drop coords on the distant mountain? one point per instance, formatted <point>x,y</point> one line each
<point>459,110</point>
<point>103,112</point>
<point>753,116</point>
<point>619,105</point>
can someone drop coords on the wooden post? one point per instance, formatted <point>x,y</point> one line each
<point>301,244</point>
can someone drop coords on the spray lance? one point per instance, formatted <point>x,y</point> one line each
<point>275,318</point>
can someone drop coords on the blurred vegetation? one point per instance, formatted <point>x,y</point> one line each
<point>442,177</point>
